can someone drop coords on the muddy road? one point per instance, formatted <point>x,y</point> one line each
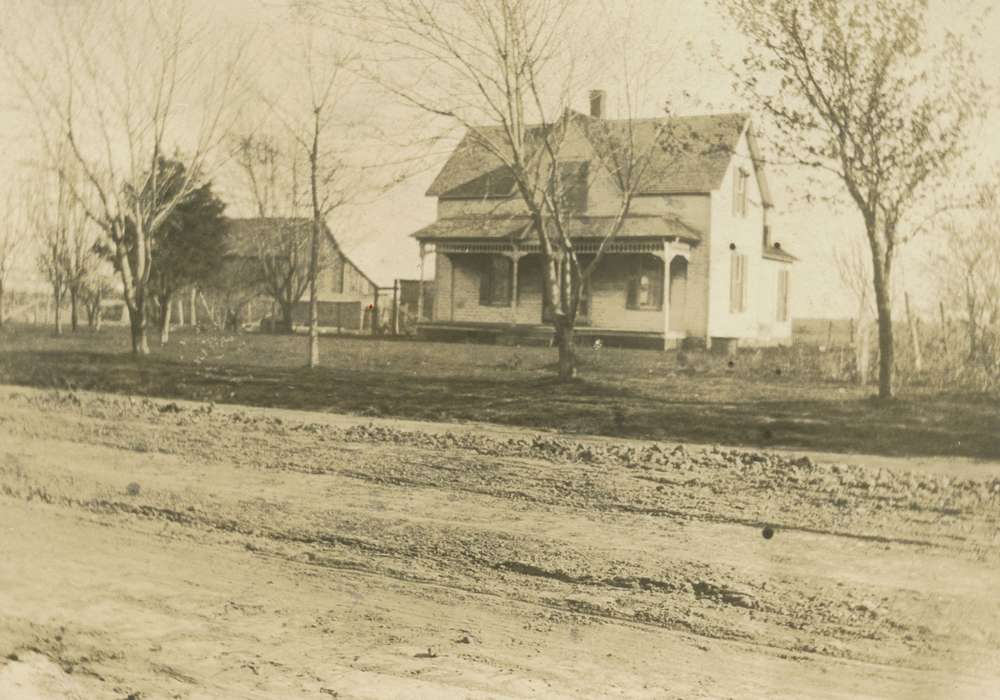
<point>155,549</point>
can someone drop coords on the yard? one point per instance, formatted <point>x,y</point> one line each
<point>772,398</point>
<point>168,549</point>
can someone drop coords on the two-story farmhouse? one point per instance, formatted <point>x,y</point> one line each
<point>694,259</point>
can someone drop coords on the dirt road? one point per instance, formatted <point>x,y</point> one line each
<point>162,550</point>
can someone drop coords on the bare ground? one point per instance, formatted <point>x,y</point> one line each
<point>156,549</point>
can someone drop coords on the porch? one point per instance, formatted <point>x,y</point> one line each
<point>541,334</point>
<point>493,290</point>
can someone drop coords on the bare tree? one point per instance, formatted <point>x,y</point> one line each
<point>58,222</point>
<point>123,83</point>
<point>862,90</point>
<point>97,287</point>
<point>80,262</point>
<point>14,231</point>
<point>280,249</point>
<point>311,120</point>
<point>854,270</point>
<point>968,270</point>
<point>505,71</point>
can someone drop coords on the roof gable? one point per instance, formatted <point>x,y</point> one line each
<point>708,143</point>
<point>245,237</point>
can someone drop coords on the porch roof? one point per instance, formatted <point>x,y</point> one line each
<point>513,228</point>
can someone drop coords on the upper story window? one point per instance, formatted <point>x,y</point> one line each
<point>495,280</point>
<point>737,283</point>
<point>741,179</point>
<point>645,284</point>
<point>573,185</point>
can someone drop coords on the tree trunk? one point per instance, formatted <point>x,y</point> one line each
<point>286,316</point>
<point>973,328</point>
<point>886,359</point>
<point>314,247</point>
<point>57,297</point>
<point>918,359</point>
<point>137,326</point>
<point>567,352</point>
<point>165,304</point>
<point>194,306</point>
<point>863,352</point>
<point>1,303</point>
<point>74,314</point>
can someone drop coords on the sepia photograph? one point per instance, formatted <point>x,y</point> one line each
<point>496,349</point>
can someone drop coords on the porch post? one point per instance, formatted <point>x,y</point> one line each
<point>420,285</point>
<point>515,256</point>
<point>666,293</point>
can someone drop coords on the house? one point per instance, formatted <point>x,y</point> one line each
<point>694,262</point>
<point>348,298</point>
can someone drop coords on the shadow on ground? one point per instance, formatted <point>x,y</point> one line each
<point>926,425</point>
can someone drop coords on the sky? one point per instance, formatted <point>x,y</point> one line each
<point>685,35</point>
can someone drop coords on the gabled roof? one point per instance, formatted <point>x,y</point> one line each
<point>708,143</point>
<point>519,228</point>
<point>245,236</point>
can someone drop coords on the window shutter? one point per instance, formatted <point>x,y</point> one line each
<point>737,283</point>
<point>733,272</point>
<point>741,287</point>
<point>783,295</point>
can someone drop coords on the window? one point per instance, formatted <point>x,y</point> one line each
<point>783,295</point>
<point>495,278</point>
<point>741,178</point>
<point>573,186</point>
<point>737,283</point>
<point>645,284</point>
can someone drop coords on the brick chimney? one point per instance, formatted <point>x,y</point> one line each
<point>597,100</point>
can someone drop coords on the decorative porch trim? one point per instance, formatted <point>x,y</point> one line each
<point>659,247</point>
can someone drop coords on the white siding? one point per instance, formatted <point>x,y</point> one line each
<point>746,233</point>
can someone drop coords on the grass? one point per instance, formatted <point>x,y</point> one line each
<point>772,398</point>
